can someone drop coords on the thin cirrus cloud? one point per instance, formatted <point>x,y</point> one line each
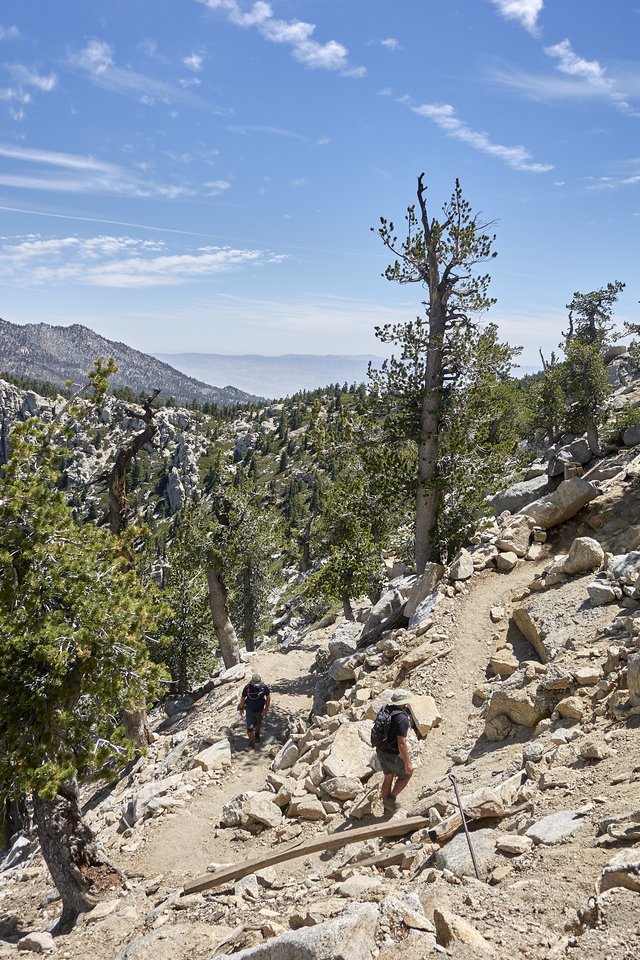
<point>17,96</point>
<point>444,116</point>
<point>9,33</point>
<point>76,174</point>
<point>96,59</point>
<point>575,78</point>
<point>297,34</point>
<point>119,262</point>
<point>29,78</point>
<point>591,72</point>
<point>524,12</point>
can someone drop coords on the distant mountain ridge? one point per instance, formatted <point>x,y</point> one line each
<point>56,354</point>
<point>276,376</point>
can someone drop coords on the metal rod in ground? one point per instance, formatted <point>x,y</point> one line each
<point>464,824</point>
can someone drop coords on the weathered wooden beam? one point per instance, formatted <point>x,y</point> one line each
<point>388,828</point>
<point>387,858</point>
<point>484,802</point>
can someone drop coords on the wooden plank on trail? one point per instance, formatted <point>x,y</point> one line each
<point>386,859</point>
<point>390,828</point>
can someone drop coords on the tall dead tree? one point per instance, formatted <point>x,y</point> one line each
<point>441,255</point>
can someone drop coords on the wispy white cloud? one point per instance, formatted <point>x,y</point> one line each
<point>9,33</point>
<point>96,57</point>
<point>194,62</point>
<point>248,128</point>
<point>444,116</point>
<point>577,78</point>
<point>29,78</point>
<point>297,34</point>
<point>391,43</point>
<point>118,262</point>
<point>78,174</point>
<point>215,187</point>
<point>97,60</point>
<point>525,12</point>
<point>590,71</point>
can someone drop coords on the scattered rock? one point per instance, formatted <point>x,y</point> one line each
<point>462,566</point>
<point>570,497</point>
<point>424,713</point>
<point>350,937</point>
<point>451,929</point>
<point>37,943</point>
<point>455,856</point>
<point>215,757</point>
<point>351,753</point>
<point>262,808</point>
<point>513,844</point>
<point>358,886</point>
<point>424,587</point>
<point>601,593</point>
<point>585,554</point>
<point>286,756</point>
<point>506,561</point>
<point>555,828</point>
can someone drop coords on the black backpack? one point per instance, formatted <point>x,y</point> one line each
<point>380,728</point>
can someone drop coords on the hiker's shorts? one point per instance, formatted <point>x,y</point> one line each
<point>391,763</point>
<point>253,718</point>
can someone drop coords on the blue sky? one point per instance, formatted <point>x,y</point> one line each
<point>201,175</point>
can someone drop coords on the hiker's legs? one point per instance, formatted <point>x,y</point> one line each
<point>257,728</point>
<point>253,726</point>
<point>385,790</point>
<point>400,784</point>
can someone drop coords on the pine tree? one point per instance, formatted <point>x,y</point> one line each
<point>442,256</point>
<point>74,620</point>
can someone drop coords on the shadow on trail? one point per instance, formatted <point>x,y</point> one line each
<point>275,728</point>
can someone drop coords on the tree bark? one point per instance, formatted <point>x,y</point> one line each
<point>593,439</point>
<point>249,612</point>
<point>136,726</point>
<point>135,721</point>
<point>428,495</point>
<point>220,615</point>
<point>78,869</point>
<point>346,605</point>
<point>15,818</point>
<point>118,519</point>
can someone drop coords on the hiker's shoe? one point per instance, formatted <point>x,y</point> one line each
<point>257,736</point>
<point>392,804</point>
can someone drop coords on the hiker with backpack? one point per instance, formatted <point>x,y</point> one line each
<point>389,737</point>
<point>255,699</point>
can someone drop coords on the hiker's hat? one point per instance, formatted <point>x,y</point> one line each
<point>256,679</point>
<point>399,697</point>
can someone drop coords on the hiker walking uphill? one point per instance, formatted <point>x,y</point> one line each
<point>389,737</point>
<point>255,700</point>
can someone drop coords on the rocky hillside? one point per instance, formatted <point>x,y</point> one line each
<point>524,661</point>
<point>523,658</point>
<point>57,354</point>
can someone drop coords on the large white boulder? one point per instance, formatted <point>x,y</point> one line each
<point>570,497</point>
<point>351,753</point>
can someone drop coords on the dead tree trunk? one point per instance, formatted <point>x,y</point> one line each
<point>250,626</point>
<point>135,720</point>
<point>220,614</point>
<point>77,867</point>
<point>117,484</point>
